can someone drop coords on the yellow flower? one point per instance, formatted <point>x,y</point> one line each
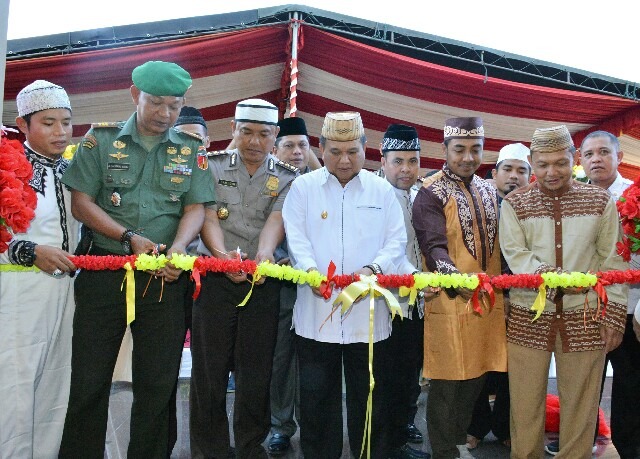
<point>69,152</point>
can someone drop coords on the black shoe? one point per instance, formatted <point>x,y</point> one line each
<point>407,452</point>
<point>279,444</point>
<point>413,434</point>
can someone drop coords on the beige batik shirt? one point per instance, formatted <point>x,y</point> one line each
<point>576,230</point>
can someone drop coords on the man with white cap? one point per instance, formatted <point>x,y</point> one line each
<point>558,225</point>
<point>36,303</point>
<point>246,221</point>
<point>141,186</point>
<point>512,171</point>
<point>343,214</point>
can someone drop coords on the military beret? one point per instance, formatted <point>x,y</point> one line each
<point>160,78</point>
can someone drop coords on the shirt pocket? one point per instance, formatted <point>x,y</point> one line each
<point>367,217</point>
<point>228,196</point>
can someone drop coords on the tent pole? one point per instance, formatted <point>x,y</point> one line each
<point>295,26</point>
<point>4,25</point>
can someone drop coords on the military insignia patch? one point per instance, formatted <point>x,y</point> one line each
<point>185,151</point>
<point>89,141</point>
<point>177,179</point>
<point>288,166</point>
<point>174,197</point>
<point>118,155</point>
<point>180,160</point>
<point>172,150</point>
<point>119,144</point>
<point>203,160</point>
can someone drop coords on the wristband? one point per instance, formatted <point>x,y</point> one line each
<point>125,240</point>
<point>374,267</point>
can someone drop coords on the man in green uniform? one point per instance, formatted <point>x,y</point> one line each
<point>251,185</point>
<point>141,187</point>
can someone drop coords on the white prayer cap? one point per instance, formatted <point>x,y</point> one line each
<point>256,111</point>
<point>514,151</point>
<point>41,95</point>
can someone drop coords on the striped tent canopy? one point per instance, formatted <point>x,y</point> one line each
<point>335,72</point>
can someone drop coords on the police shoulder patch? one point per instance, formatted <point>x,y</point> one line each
<point>287,166</point>
<point>218,153</point>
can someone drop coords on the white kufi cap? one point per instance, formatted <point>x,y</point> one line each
<point>514,151</point>
<point>256,111</point>
<point>41,95</point>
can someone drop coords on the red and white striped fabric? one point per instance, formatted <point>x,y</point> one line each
<point>334,73</point>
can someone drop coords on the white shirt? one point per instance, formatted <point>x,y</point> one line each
<point>353,226</point>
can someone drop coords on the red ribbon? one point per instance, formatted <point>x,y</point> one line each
<point>195,276</point>
<point>602,294</point>
<point>326,286</point>
<point>484,283</point>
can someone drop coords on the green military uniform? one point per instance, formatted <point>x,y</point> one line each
<point>225,336</point>
<point>146,191</point>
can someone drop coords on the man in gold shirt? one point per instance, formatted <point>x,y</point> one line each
<point>455,216</point>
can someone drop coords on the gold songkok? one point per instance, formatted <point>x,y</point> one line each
<point>548,140</point>
<point>342,126</point>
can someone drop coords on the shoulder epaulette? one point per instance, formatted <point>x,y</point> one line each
<point>117,124</point>
<point>287,166</point>
<point>190,134</point>
<point>218,153</point>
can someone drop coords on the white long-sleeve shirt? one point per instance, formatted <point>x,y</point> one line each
<point>352,226</point>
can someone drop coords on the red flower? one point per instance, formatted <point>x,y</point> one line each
<point>623,250</point>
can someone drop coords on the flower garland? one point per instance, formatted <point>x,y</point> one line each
<point>419,281</point>
<point>17,199</point>
<point>629,209</point>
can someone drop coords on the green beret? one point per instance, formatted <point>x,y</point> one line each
<point>161,79</point>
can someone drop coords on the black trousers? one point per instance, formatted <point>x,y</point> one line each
<point>98,327</point>
<point>449,408</point>
<point>226,337</point>
<point>625,394</point>
<point>484,419</point>
<point>320,366</point>
<point>173,409</point>
<point>405,360</point>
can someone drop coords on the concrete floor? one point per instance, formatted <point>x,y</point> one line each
<point>121,398</point>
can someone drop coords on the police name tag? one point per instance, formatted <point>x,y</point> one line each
<point>228,183</point>
<point>118,166</point>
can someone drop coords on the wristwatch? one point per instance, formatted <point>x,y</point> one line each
<point>125,240</point>
<point>374,267</point>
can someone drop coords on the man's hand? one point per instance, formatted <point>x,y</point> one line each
<point>611,337</point>
<point>170,272</point>
<point>260,257</point>
<point>49,259</point>
<point>140,244</point>
<point>465,293</point>
<point>636,328</point>
<point>240,276</point>
<point>430,293</point>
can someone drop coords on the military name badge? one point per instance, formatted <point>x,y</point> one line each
<point>172,150</point>
<point>116,199</point>
<point>203,160</point>
<point>119,144</point>
<point>272,183</point>
<point>185,151</point>
<point>223,212</point>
